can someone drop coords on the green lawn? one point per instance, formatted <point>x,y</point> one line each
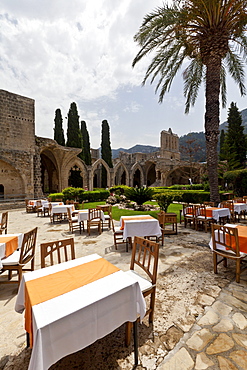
<point>117,213</point>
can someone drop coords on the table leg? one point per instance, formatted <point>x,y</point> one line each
<point>135,331</point>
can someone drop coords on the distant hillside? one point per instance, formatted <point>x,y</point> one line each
<point>194,139</point>
<point>135,149</point>
<point>198,140</point>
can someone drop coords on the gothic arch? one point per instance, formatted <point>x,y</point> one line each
<point>12,180</point>
<point>151,173</point>
<point>76,164</point>
<point>119,177</point>
<point>96,174</point>
<point>136,175</point>
<point>50,172</point>
<point>180,175</point>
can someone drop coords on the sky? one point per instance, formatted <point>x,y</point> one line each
<point>58,52</point>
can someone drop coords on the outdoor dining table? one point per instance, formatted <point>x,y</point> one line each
<point>139,225</point>
<point>216,213</point>
<point>9,243</point>
<point>242,238</point>
<point>88,298</point>
<point>239,207</point>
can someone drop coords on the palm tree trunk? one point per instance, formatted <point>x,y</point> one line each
<point>212,124</point>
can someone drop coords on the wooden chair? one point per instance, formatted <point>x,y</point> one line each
<point>29,207</point>
<point>39,208</point>
<point>169,223</point>
<point>4,223</point>
<point>229,204</point>
<point>202,219</point>
<point>94,219</point>
<point>118,237</point>
<point>17,260</point>
<point>108,216</point>
<point>145,254</point>
<point>57,252</point>
<point>209,204</point>
<point>73,221</point>
<point>189,213</point>
<point>225,244</point>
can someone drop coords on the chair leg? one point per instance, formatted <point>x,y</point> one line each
<point>128,327</point>
<point>152,301</point>
<point>238,271</point>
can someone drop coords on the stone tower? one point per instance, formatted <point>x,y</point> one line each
<point>17,146</point>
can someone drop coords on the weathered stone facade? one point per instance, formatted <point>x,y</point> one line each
<point>31,166</point>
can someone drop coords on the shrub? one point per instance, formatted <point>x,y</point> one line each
<point>237,181</point>
<point>55,196</point>
<point>95,196</point>
<point>119,190</point>
<point>139,195</point>
<point>164,200</point>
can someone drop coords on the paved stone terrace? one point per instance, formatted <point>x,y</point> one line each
<point>200,318</point>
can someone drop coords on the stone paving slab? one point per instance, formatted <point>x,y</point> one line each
<point>200,318</point>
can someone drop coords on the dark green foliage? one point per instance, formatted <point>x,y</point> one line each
<point>96,196</point>
<point>237,181</point>
<point>86,152</point>
<point>235,141</point>
<point>222,155</point>
<point>106,152</point>
<point>119,189</point>
<point>164,200</point>
<point>55,196</point>
<point>58,129</point>
<point>73,129</point>
<point>139,195</point>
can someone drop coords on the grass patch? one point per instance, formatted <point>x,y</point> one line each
<point>117,213</point>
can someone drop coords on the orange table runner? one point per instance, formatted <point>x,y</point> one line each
<point>242,239</point>
<point>128,218</point>
<point>11,244</point>
<point>50,286</point>
<point>209,211</point>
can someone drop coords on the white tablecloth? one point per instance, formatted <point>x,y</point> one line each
<point>220,212</point>
<point>74,320</point>
<point>142,227</point>
<point>239,207</point>
<point>83,215</point>
<point>62,208</point>
<point>3,245</point>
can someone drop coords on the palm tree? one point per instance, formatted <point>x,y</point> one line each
<point>208,35</point>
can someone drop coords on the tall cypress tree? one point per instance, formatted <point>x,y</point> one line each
<point>58,129</point>
<point>235,147</point>
<point>73,129</point>
<point>106,152</point>
<point>86,153</point>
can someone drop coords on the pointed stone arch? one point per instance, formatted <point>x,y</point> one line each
<point>12,180</point>
<point>95,181</point>
<point>136,175</point>
<point>151,173</point>
<point>75,164</point>
<point>121,174</point>
<point>180,175</point>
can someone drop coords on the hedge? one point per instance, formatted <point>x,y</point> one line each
<point>237,181</point>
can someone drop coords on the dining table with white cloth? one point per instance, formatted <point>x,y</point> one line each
<point>9,243</point>
<point>240,207</point>
<point>83,215</point>
<point>61,208</point>
<point>93,298</point>
<point>216,213</point>
<point>139,225</point>
<point>242,238</point>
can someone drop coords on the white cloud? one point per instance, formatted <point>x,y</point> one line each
<point>61,51</point>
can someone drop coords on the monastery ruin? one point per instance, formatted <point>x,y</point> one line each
<point>32,166</point>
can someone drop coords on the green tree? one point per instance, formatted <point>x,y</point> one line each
<point>106,152</point>
<point>86,152</point>
<point>58,129</point>
<point>222,155</point>
<point>73,129</point>
<point>235,141</point>
<point>210,34</point>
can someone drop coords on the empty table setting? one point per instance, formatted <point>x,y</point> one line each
<point>139,225</point>
<point>216,213</point>
<point>78,308</point>
<point>9,243</point>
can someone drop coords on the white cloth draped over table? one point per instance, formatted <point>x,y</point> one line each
<point>3,245</point>
<point>57,209</point>
<point>142,227</point>
<point>83,215</point>
<point>74,320</point>
<point>239,207</point>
